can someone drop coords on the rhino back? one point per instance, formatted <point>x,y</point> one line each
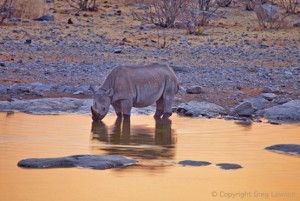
<point>142,84</point>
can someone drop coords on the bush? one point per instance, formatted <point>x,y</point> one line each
<point>6,10</point>
<point>163,13</point>
<point>85,5</point>
<point>269,17</point>
<point>250,4</point>
<point>289,5</point>
<point>223,3</point>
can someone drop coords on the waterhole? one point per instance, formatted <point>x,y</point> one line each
<point>159,146</point>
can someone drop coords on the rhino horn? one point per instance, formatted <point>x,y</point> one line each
<point>94,112</point>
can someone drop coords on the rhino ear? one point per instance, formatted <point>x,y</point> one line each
<point>109,92</point>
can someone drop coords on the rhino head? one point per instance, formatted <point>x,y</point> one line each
<point>101,104</point>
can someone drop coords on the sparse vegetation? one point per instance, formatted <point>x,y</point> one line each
<point>163,13</point>
<point>289,5</point>
<point>84,5</point>
<point>6,10</point>
<point>250,4</point>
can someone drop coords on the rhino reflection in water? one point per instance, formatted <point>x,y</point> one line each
<point>136,86</point>
<point>143,143</point>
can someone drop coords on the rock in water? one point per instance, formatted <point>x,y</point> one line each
<point>99,162</point>
<point>292,149</point>
<point>229,166</point>
<point>288,112</point>
<point>193,163</point>
<point>198,109</point>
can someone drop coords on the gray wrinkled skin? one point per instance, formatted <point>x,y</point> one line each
<point>136,86</point>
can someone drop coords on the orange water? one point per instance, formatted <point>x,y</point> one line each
<point>158,147</point>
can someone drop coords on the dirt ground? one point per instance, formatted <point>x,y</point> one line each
<point>231,60</point>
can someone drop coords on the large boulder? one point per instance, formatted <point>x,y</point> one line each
<point>200,109</point>
<point>288,112</point>
<point>83,161</point>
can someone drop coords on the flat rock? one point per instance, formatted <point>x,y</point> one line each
<point>270,89</point>
<point>291,149</point>
<point>193,163</point>
<point>99,162</point>
<point>194,90</point>
<point>268,96</point>
<point>243,109</point>
<point>229,166</point>
<point>288,112</point>
<point>200,109</point>
<point>45,18</point>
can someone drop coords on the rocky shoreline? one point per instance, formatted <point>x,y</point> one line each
<point>245,112</point>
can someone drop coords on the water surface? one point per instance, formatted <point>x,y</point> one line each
<point>158,146</point>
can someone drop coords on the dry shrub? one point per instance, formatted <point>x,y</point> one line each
<point>289,5</point>
<point>223,3</point>
<point>163,13</point>
<point>269,17</point>
<point>6,9</point>
<point>29,9</point>
<point>250,4</point>
<point>84,5</point>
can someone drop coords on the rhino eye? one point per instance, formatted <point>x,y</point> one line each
<point>103,109</point>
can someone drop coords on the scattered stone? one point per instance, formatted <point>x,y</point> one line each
<point>117,51</point>
<point>243,109</point>
<point>288,112</point>
<point>200,109</point>
<point>270,89</point>
<point>45,18</point>
<point>3,89</point>
<point>257,103</point>
<point>99,162</point>
<point>296,24</point>
<point>28,41</point>
<point>78,92</point>
<point>291,149</point>
<point>194,90</point>
<point>20,88</point>
<point>70,21</point>
<point>223,3</point>
<point>268,96</point>
<point>288,74</point>
<point>229,166</point>
<point>49,1</point>
<point>2,63</point>
<point>193,163</point>
<point>44,87</point>
<point>61,88</point>
<point>282,101</point>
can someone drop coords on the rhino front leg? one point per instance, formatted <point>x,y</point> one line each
<point>126,106</point>
<point>159,108</point>
<point>118,109</point>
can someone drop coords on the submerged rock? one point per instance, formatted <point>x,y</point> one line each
<point>193,163</point>
<point>229,166</point>
<point>291,149</point>
<point>84,161</point>
<point>198,109</point>
<point>288,112</point>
